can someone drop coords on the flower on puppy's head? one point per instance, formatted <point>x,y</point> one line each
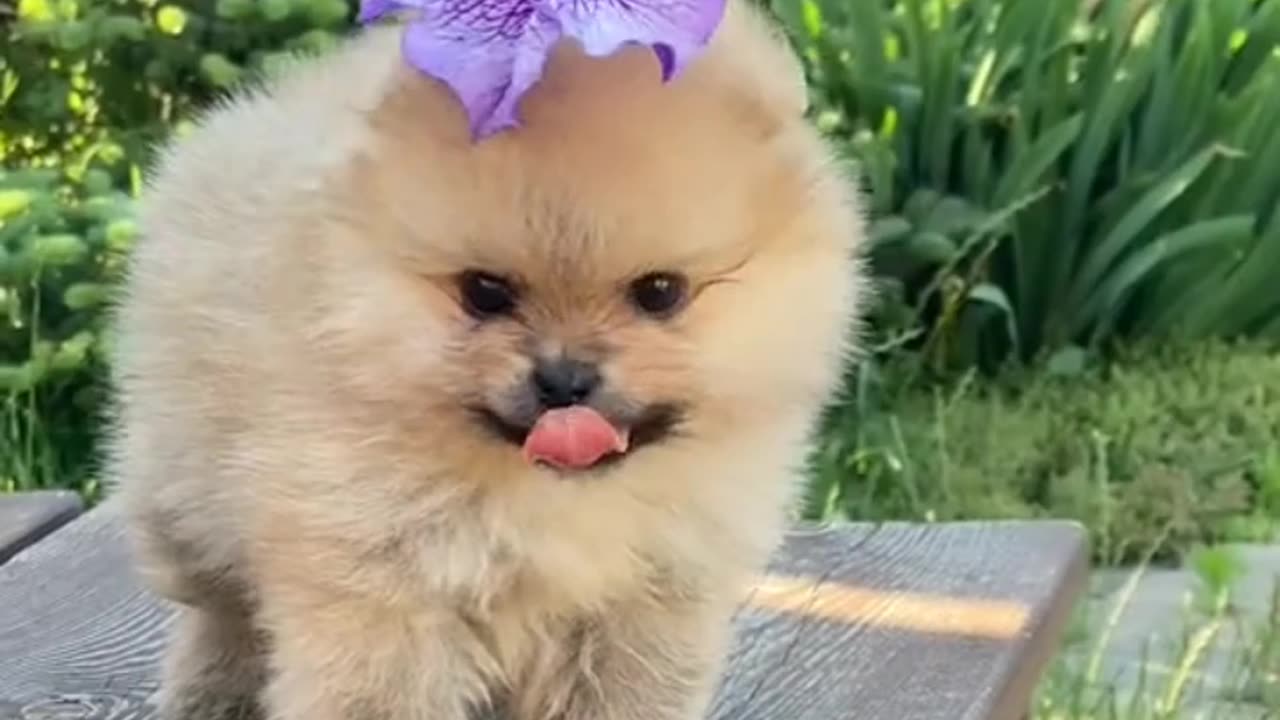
<point>491,52</point>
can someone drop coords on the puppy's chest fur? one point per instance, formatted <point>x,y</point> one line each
<point>529,594</point>
<point>548,558</point>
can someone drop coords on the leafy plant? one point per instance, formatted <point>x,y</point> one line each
<point>62,248</point>
<point>1169,445</point>
<point>106,80</point>
<point>88,89</point>
<point>1053,175</point>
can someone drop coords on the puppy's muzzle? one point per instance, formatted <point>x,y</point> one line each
<point>564,381</point>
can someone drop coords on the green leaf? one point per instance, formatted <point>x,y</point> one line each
<point>1028,167</point>
<point>81,296</point>
<point>327,13</point>
<point>991,294</point>
<point>1105,304</point>
<point>275,10</point>
<point>315,42</point>
<point>17,378</point>
<point>1113,89</point>
<point>116,28</point>
<point>74,36</point>
<point>811,17</point>
<point>61,249</point>
<point>883,230</point>
<point>932,248</point>
<point>1135,222</point>
<point>274,64</point>
<point>72,352</point>
<point>234,9</point>
<point>1245,295</point>
<point>13,202</point>
<point>171,19</point>
<point>35,10</point>
<point>219,71</point>
<point>121,234</point>
<point>98,182</point>
<point>952,216</point>
<point>920,203</point>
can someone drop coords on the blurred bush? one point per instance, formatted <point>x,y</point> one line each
<point>62,247</point>
<point>88,89</point>
<point>84,81</point>
<point>1169,447</point>
<point>1045,178</point>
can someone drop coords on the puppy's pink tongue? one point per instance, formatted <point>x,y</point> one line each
<point>575,437</point>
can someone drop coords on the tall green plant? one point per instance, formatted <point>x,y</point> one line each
<point>1053,174</point>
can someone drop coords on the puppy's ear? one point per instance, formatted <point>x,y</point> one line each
<point>753,60</point>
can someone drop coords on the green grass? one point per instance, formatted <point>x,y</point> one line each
<point>1170,445</point>
<point>1165,454</point>
<point>1171,681</point>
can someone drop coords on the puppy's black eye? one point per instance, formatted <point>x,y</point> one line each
<point>659,294</point>
<point>486,295</point>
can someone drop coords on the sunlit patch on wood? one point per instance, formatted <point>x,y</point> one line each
<point>994,619</point>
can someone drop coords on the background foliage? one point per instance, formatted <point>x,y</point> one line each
<point>1171,448</point>
<point>1074,234</point>
<point>1048,176</point>
<point>103,81</point>
<point>88,89</point>
<point>1049,182</point>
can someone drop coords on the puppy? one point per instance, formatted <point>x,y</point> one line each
<point>346,321</point>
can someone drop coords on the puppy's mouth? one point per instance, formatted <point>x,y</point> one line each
<point>579,438</point>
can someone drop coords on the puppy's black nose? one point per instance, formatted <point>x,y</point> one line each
<point>564,381</point>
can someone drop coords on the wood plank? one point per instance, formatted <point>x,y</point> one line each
<point>928,622</point>
<point>924,622</point>
<point>26,517</point>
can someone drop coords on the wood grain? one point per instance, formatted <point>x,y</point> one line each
<point>26,517</point>
<point>891,622</point>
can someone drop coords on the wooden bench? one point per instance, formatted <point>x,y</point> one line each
<point>29,516</point>
<point>886,622</point>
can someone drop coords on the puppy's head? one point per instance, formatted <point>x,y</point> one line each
<point>679,258</point>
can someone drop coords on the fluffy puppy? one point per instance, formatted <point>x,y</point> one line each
<point>344,317</point>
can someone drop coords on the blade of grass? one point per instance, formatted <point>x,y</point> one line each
<point>1135,222</point>
<point>1104,305</point>
<point>1247,295</point>
<point>1030,166</point>
<point>1262,37</point>
<point>1102,131</point>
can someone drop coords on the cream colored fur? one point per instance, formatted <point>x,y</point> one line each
<point>299,470</point>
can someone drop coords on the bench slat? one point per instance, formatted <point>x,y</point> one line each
<point>26,517</point>
<point>923,622</point>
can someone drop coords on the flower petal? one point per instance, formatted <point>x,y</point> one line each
<point>489,52</point>
<point>677,30</point>
<point>371,10</point>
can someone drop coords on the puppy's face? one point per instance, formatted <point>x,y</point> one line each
<point>675,257</point>
<point>567,339</point>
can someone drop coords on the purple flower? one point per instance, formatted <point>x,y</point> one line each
<point>490,52</point>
